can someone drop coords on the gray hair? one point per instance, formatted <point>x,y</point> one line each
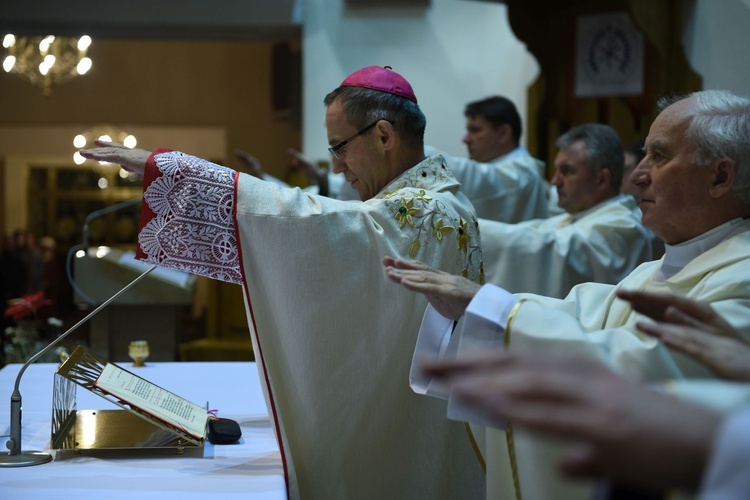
<point>720,128</point>
<point>364,106</point>
<point>603,149</point>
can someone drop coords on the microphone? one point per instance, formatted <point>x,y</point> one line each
<point>16,457</point>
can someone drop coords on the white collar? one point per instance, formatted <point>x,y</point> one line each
<point>583,213</point>
<point>676,257</point>
<point>517,152</point>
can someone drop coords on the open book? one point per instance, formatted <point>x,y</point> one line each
<point>149,398</point>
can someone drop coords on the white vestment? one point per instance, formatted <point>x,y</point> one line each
<point>337,186</point>
<point>722,396</point>
<point>727,471</point>
<point>727,475</point>
<point>332,335</point>
<point>510,188</point>
<point>590,321</point>
<point>550,256</point>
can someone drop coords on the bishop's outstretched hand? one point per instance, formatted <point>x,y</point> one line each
<point>131,159</point>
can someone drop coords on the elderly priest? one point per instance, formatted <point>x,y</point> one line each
<point>501,178</point>
<point>694,192</point>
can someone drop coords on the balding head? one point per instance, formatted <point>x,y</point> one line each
<point>693,177</point>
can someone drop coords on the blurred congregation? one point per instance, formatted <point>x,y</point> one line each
<point>30,265</point>
<point>31,268</point>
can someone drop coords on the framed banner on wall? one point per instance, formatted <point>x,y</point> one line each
<point>609,56</point>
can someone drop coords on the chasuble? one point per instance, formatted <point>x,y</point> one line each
<point>332,336</point>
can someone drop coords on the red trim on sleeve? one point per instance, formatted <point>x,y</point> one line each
<point>150,174</point>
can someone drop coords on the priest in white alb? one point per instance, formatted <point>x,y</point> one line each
<point>599,238</point>
<point>694,192</point>
<point>501,178</point>
<point>677,436</point>
<point>332,337</point>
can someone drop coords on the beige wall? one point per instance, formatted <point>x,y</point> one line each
<point>152,85</point>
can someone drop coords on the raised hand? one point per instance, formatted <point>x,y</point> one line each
<point>300,162</point>
<point>252,164</point>
<point>449,294</point>
<point>694,328</point>
<point>131,159</point>
<point>314,174</point>
<point>622,430</point>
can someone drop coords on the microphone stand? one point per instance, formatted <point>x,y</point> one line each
<point>16,457</point>
<point>85,244</point>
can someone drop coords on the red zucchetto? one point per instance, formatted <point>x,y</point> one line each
<point>383,79</point>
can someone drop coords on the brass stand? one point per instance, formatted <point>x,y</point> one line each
<point>128,428</point>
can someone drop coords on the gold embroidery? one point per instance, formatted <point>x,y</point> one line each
<point>475,446</point>
<point>476,222</point>
<point>440,229</point>
<point>511,317</point>
<point>509,430</point>
<point>428,175</point>
<point>406,212</point>
<point>426,216</point>
<point>463,235</point>
<point>415,245</point>
<point>513,464</point>
<point>423,196</point>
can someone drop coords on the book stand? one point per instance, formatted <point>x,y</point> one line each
<point>127,429</point>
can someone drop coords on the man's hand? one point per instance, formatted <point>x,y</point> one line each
<point>132,160</point>
<point>314,174</point>
<point>653,305</point>
<point>695,329</point>
<point>300,162</point>
<point>252,164</point>
<point>623,431</point>
<point>449,294</point>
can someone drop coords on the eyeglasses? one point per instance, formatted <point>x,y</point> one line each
<point>334,150</point>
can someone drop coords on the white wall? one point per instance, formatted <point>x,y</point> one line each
<point>717,44</point>
<point>452,52</point>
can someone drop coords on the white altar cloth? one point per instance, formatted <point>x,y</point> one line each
<point>249,470</point>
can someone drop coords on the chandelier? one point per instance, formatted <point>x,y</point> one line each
<point>108,133</point>
<point>45,61</point>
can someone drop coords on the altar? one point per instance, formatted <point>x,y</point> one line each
<point>251,469</point>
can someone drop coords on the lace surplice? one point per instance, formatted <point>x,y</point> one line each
<point>193,228</point>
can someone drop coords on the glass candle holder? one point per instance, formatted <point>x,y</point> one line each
<point>138,350</point>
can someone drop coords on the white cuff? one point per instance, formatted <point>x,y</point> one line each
<point>432,343</point>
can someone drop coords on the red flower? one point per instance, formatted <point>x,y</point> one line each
<point>26,305</point>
